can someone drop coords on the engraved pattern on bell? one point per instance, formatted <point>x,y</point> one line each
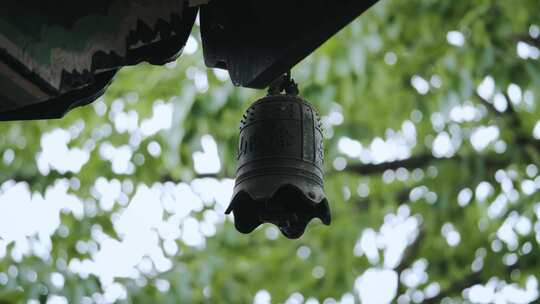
<point>279,177</point>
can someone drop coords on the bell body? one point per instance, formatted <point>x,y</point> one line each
<point>279,177</point>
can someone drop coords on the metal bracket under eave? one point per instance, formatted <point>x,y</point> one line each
<point>259,40</point>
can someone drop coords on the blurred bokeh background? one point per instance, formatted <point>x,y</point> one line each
<point>431,118</point>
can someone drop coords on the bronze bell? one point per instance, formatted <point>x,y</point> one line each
<point>279,177</point>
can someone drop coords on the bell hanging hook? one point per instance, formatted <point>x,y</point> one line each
<point>284,83</point>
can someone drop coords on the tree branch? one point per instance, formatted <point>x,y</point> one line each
<point>168,178</point>
<point>422,160</point>
<point>522,139</point>
<point>413,162</point>
<point>528,39</point>
<point>472,279</point>
<point>409,256</point>
<point>488,105</point>
<point>411,253</point>
<point>456,288</point>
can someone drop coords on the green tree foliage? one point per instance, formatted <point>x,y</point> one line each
<point>432,125</point>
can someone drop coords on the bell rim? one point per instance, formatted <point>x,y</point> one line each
<point>324,213</point>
